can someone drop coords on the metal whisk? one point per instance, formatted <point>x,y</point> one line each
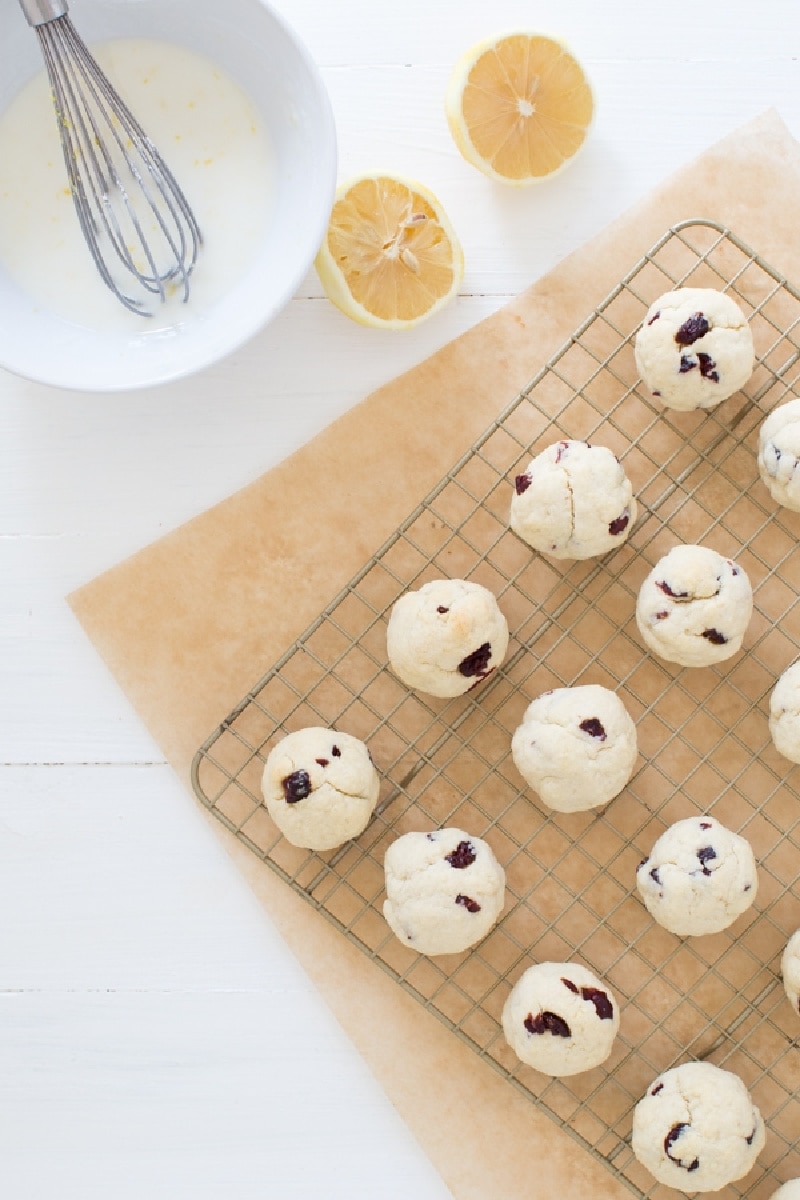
<point>137,223</point>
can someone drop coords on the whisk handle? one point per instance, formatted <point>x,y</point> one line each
<point>39,12</point>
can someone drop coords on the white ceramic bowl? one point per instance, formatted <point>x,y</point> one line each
<point>254,46</point>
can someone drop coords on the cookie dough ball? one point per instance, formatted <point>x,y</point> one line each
<point>560,1019</point>
<point>444,890</point>
<point>779,454</point>
<point>320,787</point>
<point>694,607</point>
<point>699,877</point>
<point>446,637</point>
<point>576,747</point>
<point>790,970</point>
<point>784,713</point>
<point>573,501</point>
<point>787,1191</point>
<point>694,349</point>
<point>697,1129</point>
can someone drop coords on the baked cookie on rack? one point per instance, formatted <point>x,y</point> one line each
<point>446,637</point>
<point>694,348</point>
<point>560,1019</point>
<point>444,890</point>
<point>320,787</point>
<point>694,607</point>
<point>576,747</point>
<point>697,1129</point>
<point>573,501</point>
<point>698,878</point>
<point>784,713</point>
<point>779,454</point>
<point>790,971</point>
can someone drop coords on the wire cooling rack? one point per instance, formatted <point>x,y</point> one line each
<point>703,734</point>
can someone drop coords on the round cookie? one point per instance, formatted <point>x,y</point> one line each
<point>320,787</point>
<point>779,454</point>
<point>560,1019</point>
<point>446,637</point>
<point>694,607</point>
<point>573,501</point>
<point>790,970</point>
<point>444,890</point>
<point>694,348</point>
<point>787,1191</point>
<point>696,1128</point>
<point>784,713</point>
<point>576,747</point>
<point>699,877</point>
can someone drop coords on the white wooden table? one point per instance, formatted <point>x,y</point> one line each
<point>157,1039</point>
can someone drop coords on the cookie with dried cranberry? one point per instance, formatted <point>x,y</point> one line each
<point>446,637</point>
<point>560,1019</point>
<point>320,787</point>
<point>779,454</point>
<point>573,501</point>
<point>576,747</point>
<point>444,890</point>
<point>694,348</point>
<point>694,607</point>
<point>698,878</point>
<point>790,971</point>
<point>784,713</point>
<point>697,1129</point>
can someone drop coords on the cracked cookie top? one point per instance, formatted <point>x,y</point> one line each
<point>694,607</point>
<point>696,1128</point>
<point>320,787</point>
<point>573,501</point>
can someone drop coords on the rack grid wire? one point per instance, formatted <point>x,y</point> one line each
<point>703,734</point>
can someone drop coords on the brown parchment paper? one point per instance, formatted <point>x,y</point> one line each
<point>189,624</point>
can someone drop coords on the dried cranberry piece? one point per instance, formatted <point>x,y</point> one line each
<point>522,483</point>
<point>594,727</point>
<point>601,1001</point>
<point>708,368</point>
<point>750,1138</point>
<point>658,1088</point>
<point>705,824</point>
<point>476,663</point>
<point>442,608</point>
<point>687,364</point>
<point>715,637</point>
<point>641,864</point>
<point>322,762</point>
<point>662,616</point>
<point>463,855</point>
<point>664,587</point>
<point>569,984</point>
<point>296,786</point>
<point>669,1142</point>
<point>336,752</point>
<point>706,854</point>
<point>619,525</point>
<point>468,903</point>
<point>692,329</point>
<point>547,1022</point>
<point>563,447</point>
<point>654,875</point>
<point>654,317</point>
<point>656,393</point>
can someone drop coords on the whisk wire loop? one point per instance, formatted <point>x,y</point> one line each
<point>131,209</point>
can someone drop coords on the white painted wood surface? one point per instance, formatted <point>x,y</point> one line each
<point>157,1039</point>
